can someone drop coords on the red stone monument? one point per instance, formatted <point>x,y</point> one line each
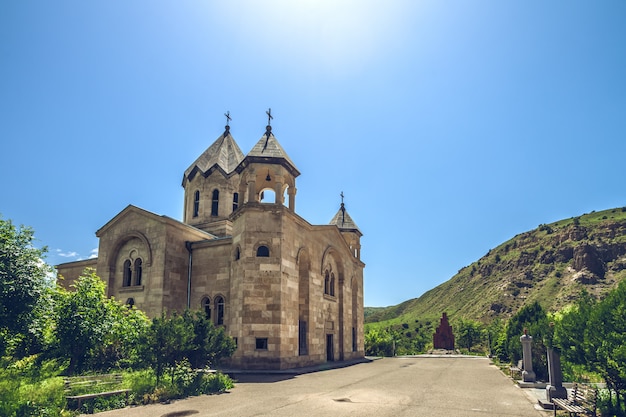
<point>443,337</point>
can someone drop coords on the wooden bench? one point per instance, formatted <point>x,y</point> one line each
<point>582,400</point>
<point>82,388</point>
<point>514,370</point>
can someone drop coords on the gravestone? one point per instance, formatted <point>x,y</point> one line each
<point>443,337</point>
<point>555,389</point>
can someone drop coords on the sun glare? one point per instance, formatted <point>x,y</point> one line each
<point>320,35</point>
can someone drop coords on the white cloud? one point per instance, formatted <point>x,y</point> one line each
<point>67,254</point>
<point>93,253</point>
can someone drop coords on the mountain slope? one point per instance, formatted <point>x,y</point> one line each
<point>550,264</point>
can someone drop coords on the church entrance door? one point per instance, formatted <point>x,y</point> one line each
<point>330,356</point>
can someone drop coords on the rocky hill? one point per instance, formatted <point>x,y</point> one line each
<point>550,264</point>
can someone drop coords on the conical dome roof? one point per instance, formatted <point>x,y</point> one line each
<point>223,153</point>
<point>344,222</point>
<point>268,150</point>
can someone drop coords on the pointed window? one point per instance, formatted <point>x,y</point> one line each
<point>138,270</point>
<point>332,285</point>
<point>235,201</point>
<point>196,203</point>
<point>206,307</point>
<point>326,283</point>
<point>219,305</point>
<point>126,282</point>
<point>215,202</point>
<point>237,253</point>
<point>130,302</point>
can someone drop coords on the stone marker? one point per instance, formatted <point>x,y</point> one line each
<point>443,337</point>
<point>528,375</point>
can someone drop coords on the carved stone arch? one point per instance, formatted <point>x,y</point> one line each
<point>330,256</point>
<point>122,240</point>
<point>326,264</point>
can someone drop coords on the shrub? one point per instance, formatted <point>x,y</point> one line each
<point>216,383</point>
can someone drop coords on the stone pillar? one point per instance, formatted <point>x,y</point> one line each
<point>527,358</point>
<point>252,197</point>
<point>278,190</point>
<point>291,191</point>
<point>555,389</point>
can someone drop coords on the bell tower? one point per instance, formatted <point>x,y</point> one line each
<point>211,185</point>
<point>268,170</point>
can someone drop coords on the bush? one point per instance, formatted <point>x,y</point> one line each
<point>217,383</point>
<point>185,382</point>
<point>141,383</point>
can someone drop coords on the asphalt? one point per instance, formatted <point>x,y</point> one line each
<point>425,385</point>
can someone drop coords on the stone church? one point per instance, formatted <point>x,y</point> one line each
<point>290,293</point>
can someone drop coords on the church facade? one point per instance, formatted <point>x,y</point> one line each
<point>289,292</point>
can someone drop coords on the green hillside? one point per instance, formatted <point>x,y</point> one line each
<point>550,264</point>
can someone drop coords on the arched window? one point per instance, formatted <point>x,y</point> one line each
<point>235,201</point>
<point>326,283</point>
<point>332,285</point>
<point>130,302</point>
<point>267,196</point>
<point>138,268</point>
<point>215,202</point>
<point>127,275</point>
<point>196,203</point>
<point>219,304</point>
<point>237,253</point>
<point>206,307</point>
<point>263,251</point>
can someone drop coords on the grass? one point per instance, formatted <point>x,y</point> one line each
<point>34,387</point>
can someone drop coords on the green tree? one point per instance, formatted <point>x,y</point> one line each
<point>23,283</point>
<point>175,339</point>
<point>569,332</point>
<point>379,342</point>
<point>166,343</point>
<point>496,337</point>
<point>606,340</point>
<point>124,328</point>
<point>209,343</point>
<point>81,319</point>
<point>93,331</point>
<point>534,319</point>
<point>468,333</point>
<point>593,334</point>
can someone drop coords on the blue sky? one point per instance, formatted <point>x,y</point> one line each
<point>450,126</point>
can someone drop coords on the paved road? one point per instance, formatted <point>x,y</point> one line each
<point>417,386</point>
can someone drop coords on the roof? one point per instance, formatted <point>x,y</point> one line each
<point>224,153</point>
<point>344,222</point>
<point>268,148</point>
